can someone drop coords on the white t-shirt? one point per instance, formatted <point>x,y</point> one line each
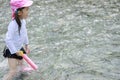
<point>13,40</point>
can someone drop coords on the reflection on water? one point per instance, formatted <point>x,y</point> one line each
<point>71,39</point>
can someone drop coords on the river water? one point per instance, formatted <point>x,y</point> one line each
<point>70,39</point>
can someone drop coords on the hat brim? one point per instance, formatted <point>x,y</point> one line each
<point>27,4</point>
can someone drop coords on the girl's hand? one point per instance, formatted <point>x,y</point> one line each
<point>18,53</point>
<point>27,49</point>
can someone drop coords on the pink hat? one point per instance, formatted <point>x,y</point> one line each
<point>15,4</point>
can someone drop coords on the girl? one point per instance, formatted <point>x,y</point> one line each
<point>16,36</point>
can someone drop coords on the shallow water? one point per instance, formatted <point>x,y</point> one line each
<point>70,39</point>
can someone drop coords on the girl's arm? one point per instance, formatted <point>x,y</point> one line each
<point>27,49</point>
<point>26,42</point>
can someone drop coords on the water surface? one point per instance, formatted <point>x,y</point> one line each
<point>70,39</point>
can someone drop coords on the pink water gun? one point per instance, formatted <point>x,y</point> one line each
<point>28,60</point>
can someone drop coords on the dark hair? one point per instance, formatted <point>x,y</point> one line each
<point>18,19</point>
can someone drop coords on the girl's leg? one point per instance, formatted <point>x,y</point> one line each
<point>13,69</point>
<point>20,64</point>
